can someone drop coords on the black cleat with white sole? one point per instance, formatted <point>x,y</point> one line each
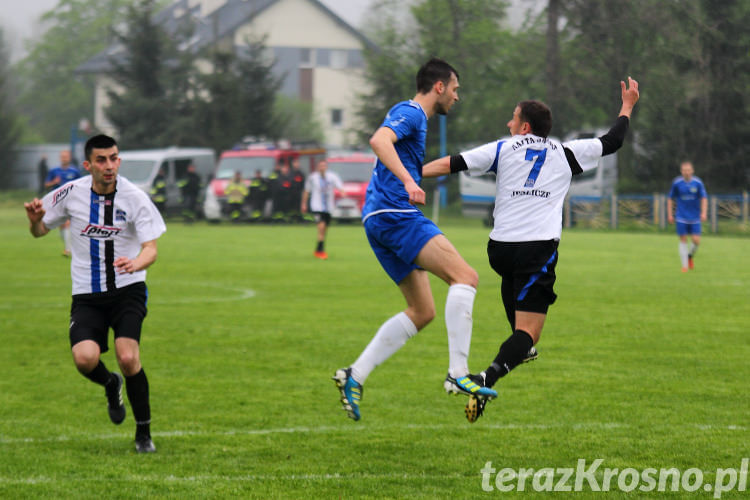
<point>115,404</point>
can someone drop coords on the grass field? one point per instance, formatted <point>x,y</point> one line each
<point>640,366</point>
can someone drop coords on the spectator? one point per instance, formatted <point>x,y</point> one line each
<point>236,192</point>
<point>159,191</point>
<point>258,196</point>
<point>190,188</point>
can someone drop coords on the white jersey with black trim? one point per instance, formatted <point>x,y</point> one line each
<point>103,228</point>
<point>533,177</point>
<point>322,189</point>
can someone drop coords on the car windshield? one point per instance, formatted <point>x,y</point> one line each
<point>351,171</point>
<point>136,170</point>
<point>246,165</point>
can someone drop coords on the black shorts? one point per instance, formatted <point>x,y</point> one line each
<point>528,272</point>
<point>324,217</point>
<point>92,314</point>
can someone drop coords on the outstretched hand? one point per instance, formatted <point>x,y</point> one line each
<point>630,92</point>
<point>630,96</point>
<point>34,210</point>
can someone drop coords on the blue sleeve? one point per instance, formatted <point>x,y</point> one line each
<point>673,191</point>
<point>403,120</point>
<point>703,191</point>
<point>51,175</point>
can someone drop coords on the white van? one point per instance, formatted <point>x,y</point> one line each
<point>142,166</point>
<point>478,193</point>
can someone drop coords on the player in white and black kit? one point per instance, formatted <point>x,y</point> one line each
<point>114,228</point>
<point>320,188</point>
<point>533,176</point>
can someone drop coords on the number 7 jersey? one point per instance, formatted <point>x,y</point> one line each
<point>533,177</point>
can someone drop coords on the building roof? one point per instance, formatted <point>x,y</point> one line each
<point>207,29</point>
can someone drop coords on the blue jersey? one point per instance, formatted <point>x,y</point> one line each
<point>65,174</point>
<point>688,196</point>
<point>386,192</point>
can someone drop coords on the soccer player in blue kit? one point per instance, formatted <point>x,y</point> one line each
<point>692,206</point>
<point>57,177</point>
<point>408,244</point>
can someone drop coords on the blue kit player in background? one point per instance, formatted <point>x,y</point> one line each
<point>407,244</point>
<point>57,177</point>
<point>692,208</point>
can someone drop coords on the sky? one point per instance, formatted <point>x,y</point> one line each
<point>19,18</point>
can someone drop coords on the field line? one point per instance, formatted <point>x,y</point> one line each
<point>347,428</point>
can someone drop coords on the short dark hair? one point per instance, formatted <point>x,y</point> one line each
<point>537,115</point>
<point>100,141</point>
<point>434,70</point>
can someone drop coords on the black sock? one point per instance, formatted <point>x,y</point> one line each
<point>137,388</point>
<point>512,353</point>
<point>100,375</point>
<point>320,246</point>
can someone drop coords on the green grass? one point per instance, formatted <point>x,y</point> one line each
<point>640,365</point>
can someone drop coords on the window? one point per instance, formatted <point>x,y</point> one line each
<point>339,59</point>
<point>337,117</point>
<point>306,58</point>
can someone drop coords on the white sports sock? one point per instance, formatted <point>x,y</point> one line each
<point>458,320</point>
<point>693,249</point>
<point>65,233</point>
<point>684,254</point>
<point>390,337</point>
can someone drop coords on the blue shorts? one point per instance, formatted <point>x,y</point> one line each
<point>684,228</point>
<point>397,238</point>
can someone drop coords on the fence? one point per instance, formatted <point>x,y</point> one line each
<point>725,212</point>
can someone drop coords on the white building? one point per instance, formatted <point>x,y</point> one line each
<point>317,53</point>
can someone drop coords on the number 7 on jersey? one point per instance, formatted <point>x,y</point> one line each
<point>540,155</point>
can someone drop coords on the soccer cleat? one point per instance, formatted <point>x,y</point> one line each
<point>691,265</point>
<point>115,404</point>
<point>144,444</point>
<point>321,255</point>
<point>531,355</point>
<point>471,385</point>
<point>351,392</point>
<point>474,408</point>
<point>684,269</point>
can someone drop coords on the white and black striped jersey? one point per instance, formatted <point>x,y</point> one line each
<point>533,177</point>
<point>103,227</point>
<point>322,189</point>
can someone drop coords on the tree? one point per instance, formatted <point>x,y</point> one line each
<point>467,34</point>
<point>240,93</point>
<point>53,96</point>
<point>10,128</point>
<point>155,78</point>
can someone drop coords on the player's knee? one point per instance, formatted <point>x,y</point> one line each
<point>85,361</point>
<point>128,361</point>
<point>467,276</point>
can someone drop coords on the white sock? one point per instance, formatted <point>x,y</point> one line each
<point>693,249</point>
<point>390,337</point>
<point>684,254</point>
<point>65,234</point>
<point>458,321</point>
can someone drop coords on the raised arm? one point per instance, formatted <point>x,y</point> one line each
<point>382,143</point>
<point>612,140</point>
<point>35,212</point>
<point>630,96</point>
